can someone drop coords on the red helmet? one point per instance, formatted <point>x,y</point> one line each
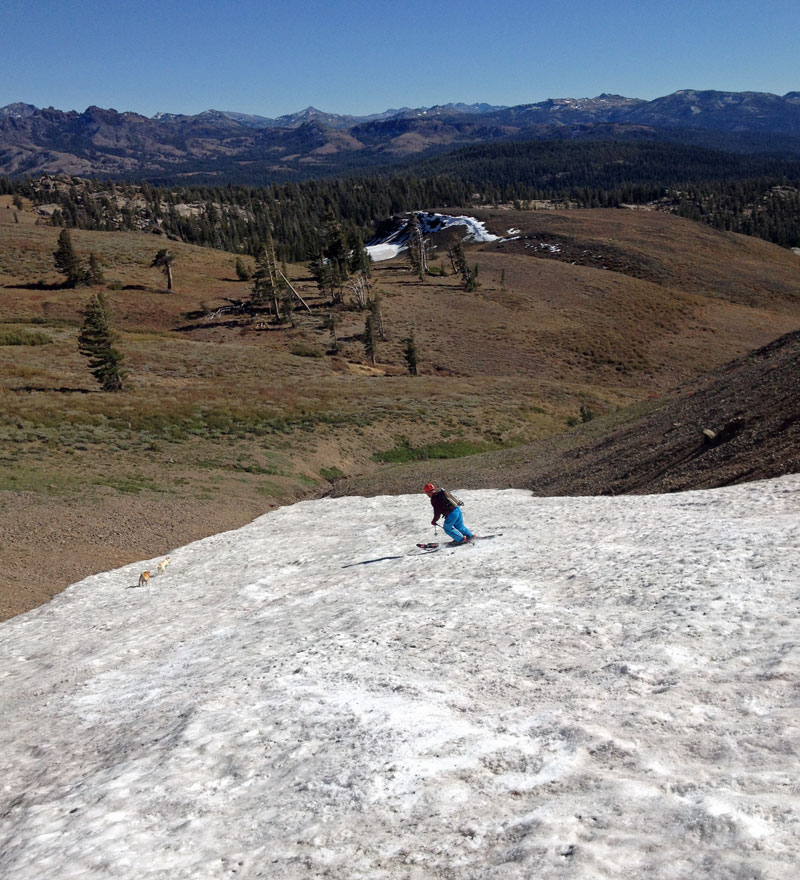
<point>429,487</point>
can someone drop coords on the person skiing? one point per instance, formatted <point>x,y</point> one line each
<point>445,505</point>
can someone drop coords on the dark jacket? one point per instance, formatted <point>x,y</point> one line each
<point>443,503</point>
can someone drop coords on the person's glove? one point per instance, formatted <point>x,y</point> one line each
<point>433,522</point>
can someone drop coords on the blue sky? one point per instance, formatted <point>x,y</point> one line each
<point>356,57</point>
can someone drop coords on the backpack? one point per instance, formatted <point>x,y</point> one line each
<point>452,501</point>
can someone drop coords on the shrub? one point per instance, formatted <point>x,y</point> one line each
<point>301,349</point>
<point>331,474</point>
<point>23,337</point>
<point>455,449</point>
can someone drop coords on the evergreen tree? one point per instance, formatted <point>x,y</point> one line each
<point>410,354</point>
<point>469,276</point>
<point>94,274</point>
<point>377,316</point>
<point>243,273</point>
<point>287,307</point>
<point>330,324</point>
<point>67,261</point>
<point>163,260</point>
<point>334,252</point>
<point>359,258</point>
<point>471,279</point>
<point>327,277</point>
<point>457,260</point>
<point>96,342</point>
<point>370,338</point>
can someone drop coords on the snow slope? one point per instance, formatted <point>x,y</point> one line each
<point>396,241</point>
<point>607,690</point>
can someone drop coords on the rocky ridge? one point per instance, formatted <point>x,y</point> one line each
<point>104,142</point>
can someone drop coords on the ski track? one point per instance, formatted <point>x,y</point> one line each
<point>608,690</point>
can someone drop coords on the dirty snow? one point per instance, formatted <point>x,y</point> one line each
<point>607,690</point>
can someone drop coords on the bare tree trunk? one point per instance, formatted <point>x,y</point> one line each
<point>288,284</point>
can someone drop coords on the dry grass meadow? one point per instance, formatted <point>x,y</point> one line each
<point>221,419</point>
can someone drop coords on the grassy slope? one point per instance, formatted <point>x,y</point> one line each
<point>222,420</point>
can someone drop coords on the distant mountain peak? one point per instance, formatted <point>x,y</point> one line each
<point>17,111</point>
<point>312,141</point>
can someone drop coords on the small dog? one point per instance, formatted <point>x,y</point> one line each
<point>144,578</point>
<point>162,566</point>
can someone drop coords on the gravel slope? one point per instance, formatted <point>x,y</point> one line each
<point>738,423</point>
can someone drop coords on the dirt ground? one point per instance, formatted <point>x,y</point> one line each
<point>73,540</point>
<point>738,423</point>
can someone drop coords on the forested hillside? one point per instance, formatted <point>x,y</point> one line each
<point>753,194</point>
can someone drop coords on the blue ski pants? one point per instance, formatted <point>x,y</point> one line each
<point>454,525</point>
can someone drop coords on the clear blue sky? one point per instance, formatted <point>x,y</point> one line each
<point>275,57</point>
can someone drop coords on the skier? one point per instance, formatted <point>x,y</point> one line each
<point>445,505</point>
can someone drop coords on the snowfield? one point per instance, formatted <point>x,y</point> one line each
<point>397,241</point>
<point>607,690</point>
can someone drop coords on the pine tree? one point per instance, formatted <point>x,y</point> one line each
<point>96,342</point>
<point>324,273</point>
<point>469,277</point>
<point>67,261</point>
<point>94,274</point>
<point>359,258</point>
<point>335,244</point>
<point>243,273</point>
<point>330,324</point>
<point>456,254</point>
<point>410,354</point>
<point>377,316</point>
<point>287,307</point>
<point>163,260</point>
<point>370,340</point>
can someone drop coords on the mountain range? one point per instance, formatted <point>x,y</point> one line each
<point>106,143</point>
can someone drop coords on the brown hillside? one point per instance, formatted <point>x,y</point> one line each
<point>738,423</point>
<point>226,414</point>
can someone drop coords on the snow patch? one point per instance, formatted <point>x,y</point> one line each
<point>606,690</point>
<point>392,244</point>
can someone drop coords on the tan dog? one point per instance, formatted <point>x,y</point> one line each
<point>144,578</point>
<point>162,566</point>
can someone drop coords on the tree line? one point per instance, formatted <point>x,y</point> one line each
<point>753,194</point>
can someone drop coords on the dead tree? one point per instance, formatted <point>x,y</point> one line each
<point>289,285</point>
<point>417,250</point>
<point>359,284</point>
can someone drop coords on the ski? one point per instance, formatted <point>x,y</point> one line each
<point>432,546</point>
